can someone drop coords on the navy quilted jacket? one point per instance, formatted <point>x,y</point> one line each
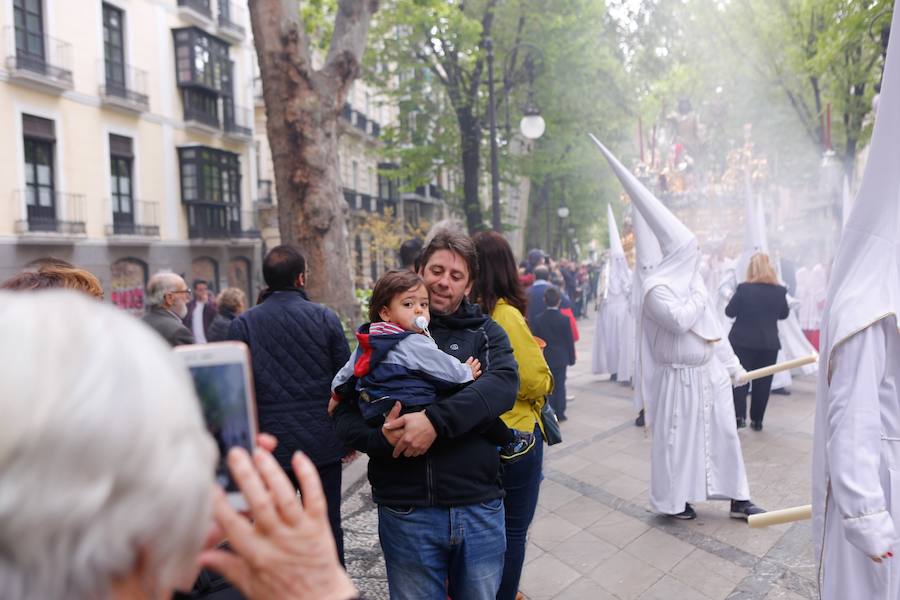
<point>297,347</point>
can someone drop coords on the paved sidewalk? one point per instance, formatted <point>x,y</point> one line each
<point>594,536</point>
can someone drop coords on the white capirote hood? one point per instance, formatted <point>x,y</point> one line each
<point>679,267</point>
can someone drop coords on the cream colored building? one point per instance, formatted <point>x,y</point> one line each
<point>129,141</point>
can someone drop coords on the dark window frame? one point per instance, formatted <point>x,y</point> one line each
<point>31,52</point>
<point>114,52</point>
<point>121,167</point>
<point>41,216</point>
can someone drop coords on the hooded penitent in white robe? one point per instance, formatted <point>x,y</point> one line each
<point>685,367</point>
<point>613,348</point>
<point>856,451</point>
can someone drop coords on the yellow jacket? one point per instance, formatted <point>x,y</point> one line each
<point>535,381</point>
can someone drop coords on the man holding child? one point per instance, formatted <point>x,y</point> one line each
<point>434,473</point>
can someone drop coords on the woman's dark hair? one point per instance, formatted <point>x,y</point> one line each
<point>497,276</point>
<point>389,285</point>
<point>281,267</point>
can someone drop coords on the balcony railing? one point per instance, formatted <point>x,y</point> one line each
<point>49,66</point>
<point>347,112</point>
<point>45,211</point>
<point>239,122</point>
<point>140,219</point>
<point>220,221</point>
<point>264,190</point>
<point>129,94</point>
<point>231,20</point>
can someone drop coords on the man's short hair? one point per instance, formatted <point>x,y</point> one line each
<point>281,267</point>
<point>552,297</point>
<point>409,252</point>
<point>456,242</point>
<point>541,272</point>
<point>199,282</point>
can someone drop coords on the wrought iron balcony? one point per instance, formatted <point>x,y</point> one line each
<point>124,87</point>
<point>238,123</point>
<point>46,65</point>
<point>232,20</point>
<point>44,211</point>
<point>138,218</point>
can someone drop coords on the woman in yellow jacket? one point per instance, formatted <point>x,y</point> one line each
<point>498,290</point>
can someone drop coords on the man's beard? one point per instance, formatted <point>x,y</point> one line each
<point>181,310</point>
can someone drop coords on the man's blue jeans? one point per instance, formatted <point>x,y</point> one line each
<point>427,548</point>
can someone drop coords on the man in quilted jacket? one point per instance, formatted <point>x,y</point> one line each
<point>297,347</point>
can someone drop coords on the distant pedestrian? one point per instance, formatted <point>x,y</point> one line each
<point>167,297</point>
<point>201,311</point>
<point>409,253</point>
<point>230,303</point>
<point>553,327</point>
<point>297,347</point>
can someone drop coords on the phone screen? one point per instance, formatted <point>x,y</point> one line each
<point>223,395</point>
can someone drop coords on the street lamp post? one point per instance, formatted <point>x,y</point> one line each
<point>562,212</point>
<point>532,125</point>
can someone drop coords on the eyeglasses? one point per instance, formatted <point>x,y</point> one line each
<point>187,291</point>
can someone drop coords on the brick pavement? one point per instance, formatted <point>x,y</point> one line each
<point>594,536</point>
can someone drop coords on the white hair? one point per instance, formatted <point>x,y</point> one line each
<point>449,225</point>
<point>105,462</point>
<point>159,285</point>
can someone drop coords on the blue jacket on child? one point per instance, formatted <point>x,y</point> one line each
<point>391,365</point>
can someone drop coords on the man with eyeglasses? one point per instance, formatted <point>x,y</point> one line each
<point>167,298</point>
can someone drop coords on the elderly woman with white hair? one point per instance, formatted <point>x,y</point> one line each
<point>106,471</point>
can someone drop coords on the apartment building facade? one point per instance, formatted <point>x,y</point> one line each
<point>129,145</point>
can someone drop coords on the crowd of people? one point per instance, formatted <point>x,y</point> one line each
<point>445,392</point>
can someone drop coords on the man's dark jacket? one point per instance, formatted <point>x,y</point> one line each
<point>536,304</point>
<point>167,324</point>
<point>756,308</point>
<point>461,467</point>
<point>296,346</point>
<point>553,327</point>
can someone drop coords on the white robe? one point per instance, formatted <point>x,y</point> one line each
<point>860,428</point>
<point>696,454</point>
<point>614,337</point>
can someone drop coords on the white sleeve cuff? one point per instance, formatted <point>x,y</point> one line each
<point>873,534</point>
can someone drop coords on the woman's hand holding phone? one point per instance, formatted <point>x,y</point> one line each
<point>286,549</point>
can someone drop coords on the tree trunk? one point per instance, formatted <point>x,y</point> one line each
<point>302,110</point>
<point>470,138</point>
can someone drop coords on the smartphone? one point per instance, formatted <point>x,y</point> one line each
<point>224,384</point>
